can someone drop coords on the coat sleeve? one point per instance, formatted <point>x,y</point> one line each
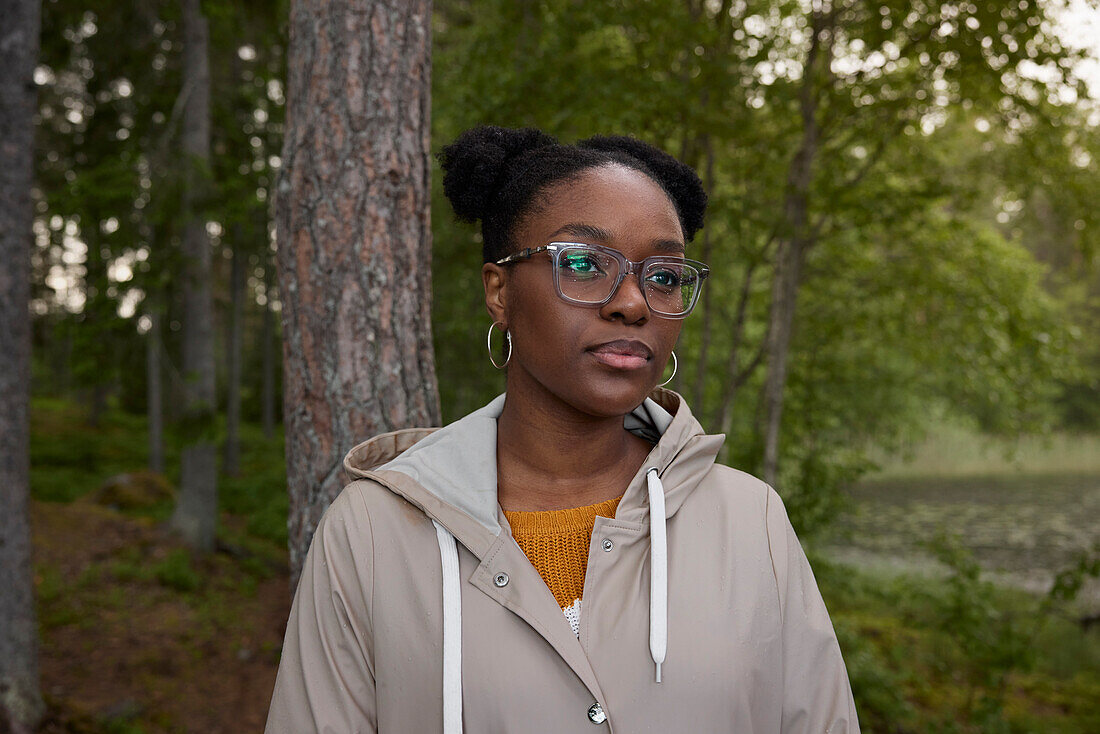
<point>325,682</point>
<point>817,696</point>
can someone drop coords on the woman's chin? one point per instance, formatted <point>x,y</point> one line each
<point>614,397</point>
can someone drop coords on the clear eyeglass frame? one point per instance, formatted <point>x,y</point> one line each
<point>626,267</point>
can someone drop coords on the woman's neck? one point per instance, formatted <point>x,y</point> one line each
<point>552,456</point>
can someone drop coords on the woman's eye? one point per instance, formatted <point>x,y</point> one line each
<point>580,264</point>
<point>664,278</point>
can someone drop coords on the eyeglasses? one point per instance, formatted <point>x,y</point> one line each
<point>590,275</point>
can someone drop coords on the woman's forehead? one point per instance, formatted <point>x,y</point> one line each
<point>606,205</point>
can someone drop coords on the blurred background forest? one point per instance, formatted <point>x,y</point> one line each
<point>904,205</point>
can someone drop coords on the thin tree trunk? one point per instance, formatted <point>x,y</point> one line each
<point>196,513</point>
<point>233,354</point>
<point>795,239</point>
<point>20,699</point>
<point>699,394</point>
<point>267,336</point>
<point>736,375</point>
<point>354,240</point>
<point>96,338</point>
<point>154,391</point>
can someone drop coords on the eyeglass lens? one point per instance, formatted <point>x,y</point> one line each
<point>588,276</point>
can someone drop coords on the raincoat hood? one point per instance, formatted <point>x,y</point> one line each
<point>450,473</point>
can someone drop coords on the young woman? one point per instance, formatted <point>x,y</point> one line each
<point>569,556</point>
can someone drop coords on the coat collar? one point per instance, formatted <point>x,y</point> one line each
<point>450,472</point>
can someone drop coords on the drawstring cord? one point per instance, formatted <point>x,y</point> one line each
<point>452,632</point>
<point>658,571</point>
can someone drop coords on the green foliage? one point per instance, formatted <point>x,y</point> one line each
<point>992,643</point>
<point>954,653</point>
<point>951,203</point>
<point>918,290</point>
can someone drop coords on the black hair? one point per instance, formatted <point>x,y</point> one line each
<point>496,175</point>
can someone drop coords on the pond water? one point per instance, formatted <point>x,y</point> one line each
<point>1022,529</point>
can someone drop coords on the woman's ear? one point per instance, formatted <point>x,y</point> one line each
<point>494,279</point>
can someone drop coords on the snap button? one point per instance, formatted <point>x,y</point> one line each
<point>501,579</point>
<point>608,545</point>
<point>596,714</point>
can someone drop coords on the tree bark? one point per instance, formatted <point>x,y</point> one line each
<point>154,391</point>
<point>20,699</point>
<point>354,240</point>
<point>196,513</point>
<point>796,237</point>
<point>233,354</point>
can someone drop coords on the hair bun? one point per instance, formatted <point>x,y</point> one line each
<point>679,179</point>
<point>474,164</point>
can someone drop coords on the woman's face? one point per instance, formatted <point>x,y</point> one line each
<point>601,361</point>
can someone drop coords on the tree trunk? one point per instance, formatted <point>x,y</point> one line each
<point>267,335</point>
<point>154,391</point>
<point>699,393</point>
<point>196,513</point>
<point>233,355</point>
<point>20,699</point>
<point>96,335</point>
<point>794,240</point>
<point>354,240</point>
<point>736,375</point>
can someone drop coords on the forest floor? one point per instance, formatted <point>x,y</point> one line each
<point>140,636</point>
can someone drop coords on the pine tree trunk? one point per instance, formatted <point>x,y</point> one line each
<point>154,391</point>
<point>20,699</point>
<point>233,354</point>
<point>354,240</point>
<point>196,513</point>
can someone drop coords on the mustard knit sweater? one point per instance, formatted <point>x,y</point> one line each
<point>556,542</point>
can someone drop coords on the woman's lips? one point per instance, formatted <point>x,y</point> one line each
<point>623,354</point>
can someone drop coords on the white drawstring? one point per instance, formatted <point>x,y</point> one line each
<point>658,571</point>
<point>452,632</point>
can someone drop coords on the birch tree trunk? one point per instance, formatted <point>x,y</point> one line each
<point>20,699</point>
<point>354,240</point>
<point>196,513</point>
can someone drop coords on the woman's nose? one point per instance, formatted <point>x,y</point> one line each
<point>628,302</point>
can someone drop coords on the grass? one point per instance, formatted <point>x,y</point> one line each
<point>953,449</point>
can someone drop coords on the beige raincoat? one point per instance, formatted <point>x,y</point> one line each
<point>396,627</point>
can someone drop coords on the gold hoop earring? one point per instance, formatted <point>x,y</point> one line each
<point>675,364</point>
<point>489,343</point>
